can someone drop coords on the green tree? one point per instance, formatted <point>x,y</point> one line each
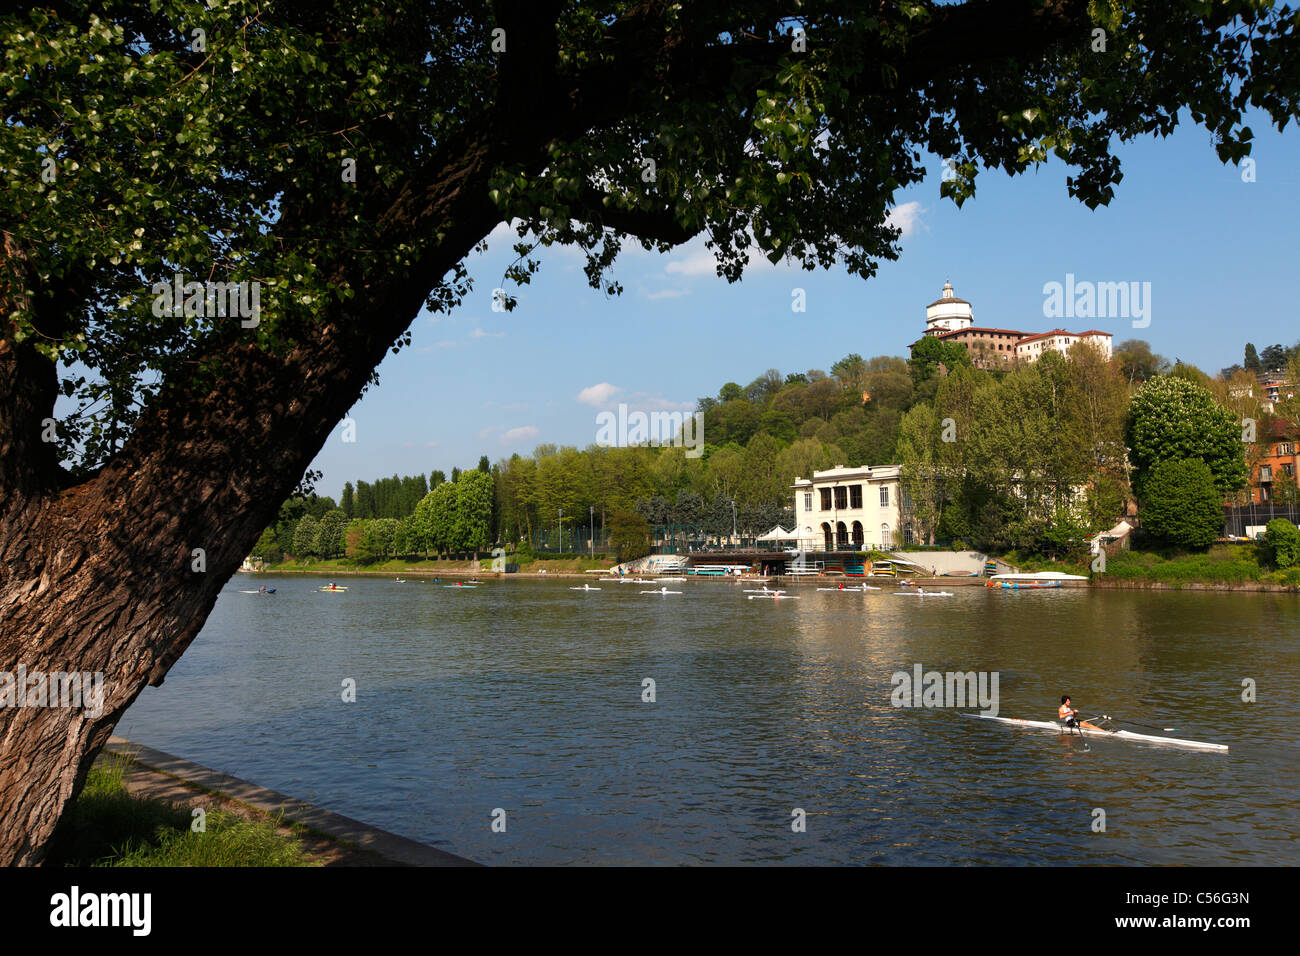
<point>329,533</point>
<point>1251,361</point>
<point>851,372</point>
<point>1182,505</point>
<point>346,502</point>
<point>1281,544</point>
<point>267,547</point>
<point>629,535</point>
<point>919,455</point>
<point>304,538</point>
<point>473,516</point>
<point>1137,363</point>
<point>731,392</point>
<point>389,139</point>
<point>1170,419</point>
<point>931,352</point>
<point>362,545</point>
<point>1273,358</point>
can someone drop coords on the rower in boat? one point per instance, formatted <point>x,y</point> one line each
<point>1067,713</point>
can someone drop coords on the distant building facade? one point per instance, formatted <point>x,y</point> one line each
<point>843,508</point>
<point>1276,476</point>
<point>953,320</point>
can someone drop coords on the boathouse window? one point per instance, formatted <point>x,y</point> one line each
<point>807,501</point>
<point>857,534</point>
<point>841,497</point>
<point>826,499</point>
<point>884,496</point>
<point>855,496</point>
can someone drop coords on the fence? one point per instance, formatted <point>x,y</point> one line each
<point>1237,518</point>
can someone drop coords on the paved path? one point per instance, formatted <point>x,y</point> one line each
<point>946,562</point>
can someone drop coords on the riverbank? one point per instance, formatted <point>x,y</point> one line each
<point>1233,567</point>
<point>325,838</point>
<point>1228,566</point>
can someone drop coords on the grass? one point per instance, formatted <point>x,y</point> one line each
<point>1220,564</point>
<point>1030,562</point>
<point>106,826</point>
<point>1229,564</point>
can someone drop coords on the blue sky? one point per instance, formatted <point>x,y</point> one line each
<point>1222,256</point>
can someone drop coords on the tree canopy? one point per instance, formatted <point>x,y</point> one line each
<point>218,217</point>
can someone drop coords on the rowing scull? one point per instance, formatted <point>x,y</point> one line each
<point>1101,732</point>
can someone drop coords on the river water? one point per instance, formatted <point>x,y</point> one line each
<point>525,696</point>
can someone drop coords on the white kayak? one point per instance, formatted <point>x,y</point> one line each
<point>585,587</point>
<point>1102,732</point>
<point>774,595</point>
<point>661,591</point>
<point>858,588</point>
<point>921,592</point>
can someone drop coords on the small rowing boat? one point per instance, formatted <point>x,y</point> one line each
<point>1031,582</point>
<point>922,592</point>
<point>857,588</point>
<point>585,587</point>
<point>660,591</point>
<point>1101,732</point>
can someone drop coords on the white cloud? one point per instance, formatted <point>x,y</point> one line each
<point>520,434</point>
<point>480,334</point>
<point>906,217</point>
<point>484,433</point>
<point>666,294</point>
<point>698,262</point>
<point>647,402</point>
<point>598,395</point>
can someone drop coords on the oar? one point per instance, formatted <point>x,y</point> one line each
<point>1136,723</point>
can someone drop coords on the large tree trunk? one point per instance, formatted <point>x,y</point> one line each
<point>116,574</point>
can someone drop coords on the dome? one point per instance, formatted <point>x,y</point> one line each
<point>948,313</point>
